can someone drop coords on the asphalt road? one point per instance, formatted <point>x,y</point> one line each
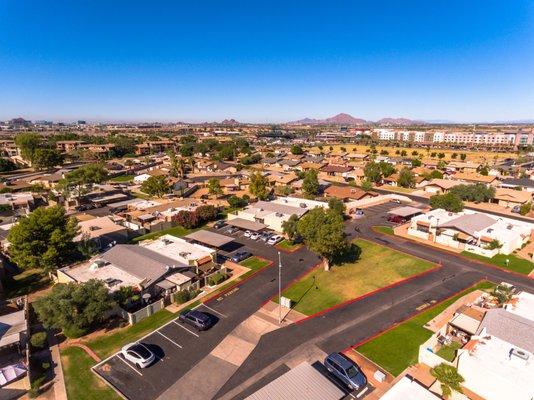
<point>351,324</point>
<point>332,331</point>
<point>178,350</point>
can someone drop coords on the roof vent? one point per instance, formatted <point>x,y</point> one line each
<point>303,205</point>
<point>519,354</point>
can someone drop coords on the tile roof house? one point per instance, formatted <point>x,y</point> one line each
<point>511,197</point>
<point>348,193</point>
<point>474,178</point>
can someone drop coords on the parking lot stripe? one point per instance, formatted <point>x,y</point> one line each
<point>362,392</point>
<point>183,327</point>
<point>128,364</point>
<point>169,339</point>
<point>215,311</point>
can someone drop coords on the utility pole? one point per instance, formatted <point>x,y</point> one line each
<point>279,289</point>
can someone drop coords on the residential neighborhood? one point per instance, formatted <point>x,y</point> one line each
<point>266,200</point>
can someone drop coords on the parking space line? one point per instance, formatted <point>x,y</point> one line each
<point>128,364</point>
<point>183,327</point>
<point>215,311</point>
<point>362,392</point>
<point>169,339</point>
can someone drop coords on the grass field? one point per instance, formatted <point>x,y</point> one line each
<point>122,178</point>
<point>448,352</point>
<point>287,245</point>
<point>378,266</point>
<point>398,348</point>
<point>255,263</point>
<point>470,155</point>
<point>28,281</point>
<point>108,344</point>
<point>80,382</point>
<point>384,229</point>
<point>516,264</point>
<point>177,231</point>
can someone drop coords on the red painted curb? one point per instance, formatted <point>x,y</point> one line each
<point>409,317</point>
<point>239,283</point>
<point>518,274</point>
<point>391,285</point>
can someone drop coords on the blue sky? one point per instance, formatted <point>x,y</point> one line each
<point>266,61</point>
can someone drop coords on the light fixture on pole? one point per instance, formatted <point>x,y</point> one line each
<point>279,289</point>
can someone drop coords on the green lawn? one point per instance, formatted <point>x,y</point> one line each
<point>448,352</point>
<point>384,229</point>
<point>516,264</point>
<point>287,245</point>
<point>398,348</point>
<point>108,344</point>
<point>122,178</point>
<point>26,282</point>
<point>378,266</point>
<point>255,263</point>
<point>80,381</point>
<point>177,231</point>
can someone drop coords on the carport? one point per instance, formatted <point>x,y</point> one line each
<point>209,238</point>
<point>246,224</point>
<point>406,212</point>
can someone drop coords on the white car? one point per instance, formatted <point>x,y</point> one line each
<point>255,236</point>
<point>274,239</point>
<point>138,354</point>
<point>247,234</point>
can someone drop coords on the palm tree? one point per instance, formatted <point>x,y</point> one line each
<point>448,377</point>
<point>503,294</point>
<point>191,163</point>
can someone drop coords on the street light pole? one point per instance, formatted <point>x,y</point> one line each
<point>279,289</point>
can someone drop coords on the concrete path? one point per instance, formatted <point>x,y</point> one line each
<point>58,389</point>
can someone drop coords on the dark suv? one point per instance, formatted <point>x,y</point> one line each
<point>196,319</point>
<point>345,370</point>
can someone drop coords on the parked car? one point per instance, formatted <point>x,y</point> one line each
<point>396,201</point>
<point>255,235</point>
<point>240,256</point>
<point>197,319</point>
<point>247,233</point>
<point>138,354</point>
<point>345,370</point>
<point>274,239</point>
<point>265,236</point>
<point>397,219</point>
<point>219,224</point>
<point>516,209</point>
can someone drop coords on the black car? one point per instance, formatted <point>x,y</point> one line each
<point>240,256</point>
<point>196,319</point>
<point>219,224</point>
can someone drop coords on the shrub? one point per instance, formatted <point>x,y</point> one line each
<point>38,340</point>
<point>45,365</point>
<point>181,296</point>
<point>187,219</point>
<point>525,208</point>
<point>217,278</point>
<point>206,213</point>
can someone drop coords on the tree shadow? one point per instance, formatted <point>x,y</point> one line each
<point>313,284</point>
<point>350,254</point>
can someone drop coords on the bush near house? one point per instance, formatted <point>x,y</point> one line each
<point>217,278</point>
<point>38,340</point>
<point>183,296</point>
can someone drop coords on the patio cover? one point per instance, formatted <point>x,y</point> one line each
<point>405,211</point>
<point>210,238</point>
<point>465,323</point>
<point>246,224</point>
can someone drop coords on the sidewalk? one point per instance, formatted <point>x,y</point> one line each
<point>58,389</point>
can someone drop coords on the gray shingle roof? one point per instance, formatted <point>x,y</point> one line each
<point>469,223</point>
<point>510,327</point>
<point>140,262</point>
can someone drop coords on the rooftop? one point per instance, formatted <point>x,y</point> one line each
<point>177,250</point>
<point>210,238</point>
<point>408,388</point>
<point>510,327</point>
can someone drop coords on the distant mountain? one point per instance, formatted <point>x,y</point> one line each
<point>230,122</point>
<point>396,121</point>
<point>339,119</point>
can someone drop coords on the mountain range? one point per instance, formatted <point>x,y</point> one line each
<point>346,119</point>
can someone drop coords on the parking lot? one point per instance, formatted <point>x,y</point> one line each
<point>177,347</point>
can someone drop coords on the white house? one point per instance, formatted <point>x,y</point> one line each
<point>472,231</point>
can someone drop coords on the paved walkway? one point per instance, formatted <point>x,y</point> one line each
<point>59,391</point>
<point>225,358</point>
<point>82,346</point>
